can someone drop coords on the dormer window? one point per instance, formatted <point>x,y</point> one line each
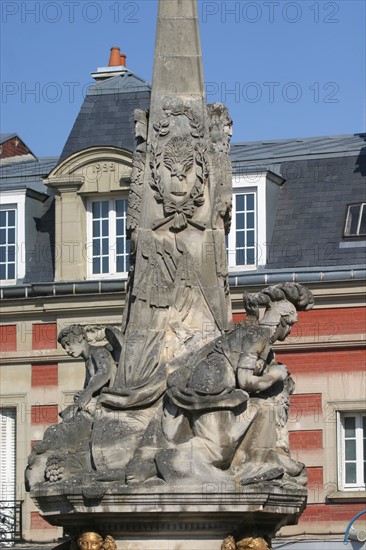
<point>12,237</point>
<point>108,247</point>
<point>255,196</point>
<point>8,243</point>
<point>356,220</point>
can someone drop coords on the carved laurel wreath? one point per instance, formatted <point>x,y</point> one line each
<point>180,214</point>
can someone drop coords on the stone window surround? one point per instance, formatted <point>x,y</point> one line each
<point>17,202</point>
<point>333,491</point>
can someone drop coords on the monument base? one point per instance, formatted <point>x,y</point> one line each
<point>174,518</point>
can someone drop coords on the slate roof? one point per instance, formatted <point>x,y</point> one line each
<point>5,137</point>
<point>40,262</point>
<point>26,174</point>
<point>106,116</point>
<point>322,176</point>
<point>281,150</point>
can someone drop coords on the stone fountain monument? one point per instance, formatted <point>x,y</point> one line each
<point>178,439</point>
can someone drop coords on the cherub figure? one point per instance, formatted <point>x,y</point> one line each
<point>100,366</point>
<point>94,541</point>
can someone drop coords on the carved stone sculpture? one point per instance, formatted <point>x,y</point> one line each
<point>194,401</point>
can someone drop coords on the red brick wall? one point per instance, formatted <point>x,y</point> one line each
<point>37,522</point>
<point>44,414</point>
<point>306,440</point>
<point>45,375</point>
<point>326,323</point>
<point>8,338</point>
<point>320,362</point>
<point>305,405</point>
<point>315,476</point>
<point>331,322</point>
<point>44,336</point>
<point>330,512</point>
<point>13,148</point>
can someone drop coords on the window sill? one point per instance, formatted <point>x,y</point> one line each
<point>352,244</point>
<point>347,496</point>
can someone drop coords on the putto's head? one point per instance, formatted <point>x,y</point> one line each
<point>73,339</point>
<point>90,541</point>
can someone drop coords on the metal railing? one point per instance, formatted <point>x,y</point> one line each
<point>10,522</point>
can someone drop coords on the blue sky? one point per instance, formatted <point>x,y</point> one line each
<point>285,69</point>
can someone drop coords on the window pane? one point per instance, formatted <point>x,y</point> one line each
<point>2,218</point>
<point>250,201</point>
<point>121,207</point>
<point>96,209</point>
<point>240,257</point>
<point>120,227</point>
<point>351,450</point>
<point>250,256</point>
<point>104,205</point>
<point>240,241</point>
<point>11,271</point>
<point>120,266</point>
<point>96,229</point>
<point>2,236</point>
<point>105,265</point>
<point>105,228</point>
<point>240,221</point>
<point>250,238</point>
<point>96,265</point>
<point>350,426</point>
<point>239,203</point>
<point>3,254</point>
<point>11,236</point>
<point>362,230</point>
<point>250,221</point>
<point>120,246</point>
<point>11,218</point>
<point>351,472</point>
<point>2,271</point>
<point>96,248</point>
<point>104,246</point>
<point>11,253</point>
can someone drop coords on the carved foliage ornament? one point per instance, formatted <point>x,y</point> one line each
<point>178,155</point>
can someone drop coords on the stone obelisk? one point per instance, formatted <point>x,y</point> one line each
<point>179,211</point>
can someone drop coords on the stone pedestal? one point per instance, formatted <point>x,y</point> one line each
<point>182,519</point>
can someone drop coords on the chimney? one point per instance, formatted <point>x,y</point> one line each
<point>116,66</point>
<point>115,57</point>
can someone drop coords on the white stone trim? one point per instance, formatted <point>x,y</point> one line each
<point>17,200</point>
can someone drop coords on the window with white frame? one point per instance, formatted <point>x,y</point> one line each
<point>8,242</point>
<point>108,247</point>
<point>242,239</point>
<point>352,451</point>
<point>7,453</point>
<point>356,220</point>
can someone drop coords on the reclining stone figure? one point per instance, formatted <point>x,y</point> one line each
<point>231,387</point>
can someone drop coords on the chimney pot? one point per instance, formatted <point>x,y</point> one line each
<point>123,60</point>
<point>115,57</point>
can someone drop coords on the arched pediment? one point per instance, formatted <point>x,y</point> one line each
<point>93,170</point>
